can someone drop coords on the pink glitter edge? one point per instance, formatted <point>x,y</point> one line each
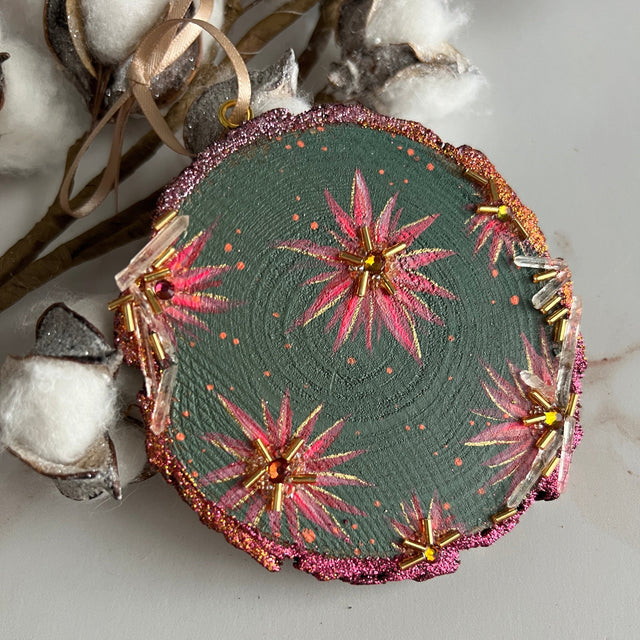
<point>269,553</point>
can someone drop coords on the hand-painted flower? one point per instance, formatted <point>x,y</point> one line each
<point>279,471</point>
<point>374,276</point>
<point>513,404</point>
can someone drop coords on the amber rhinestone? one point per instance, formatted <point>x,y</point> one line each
<point>278,470</point>
<point>375,263</point>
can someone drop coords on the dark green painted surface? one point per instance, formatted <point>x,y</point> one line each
<point>255,196</point>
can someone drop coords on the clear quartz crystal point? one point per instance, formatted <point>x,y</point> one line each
<point>535,262</point>
<point>533,382</point>
<point>567,356</point>
<point>565,454</point>
<point>550,289</point>
<point>162,402</point>
<point>151,251</point>
<point>544,457</point>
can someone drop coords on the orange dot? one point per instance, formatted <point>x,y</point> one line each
<point>377,503</point>
<point>209,387</point>
<point>276,314</point>
<point>381,172</point>
<point>236,341</point>
<point>372,541</point>
<point>240,266</point>
<point>488,424</point>
<point>472,422</point>
<point>351,360</point>
<point>287,146</point>
<point>450,378</point>
<point>482,491</point>
<point>320,128</point>
<point>407,427</point>
<point>267,374</point>
<point>430,167</point>
<point>238,231</point>
<point>323,148</point>
<point>192,344</point>
<point>223,335</point>
<point>389,370</point>
<point>357,433</point>
<point>411,152</point>
<point>514,300</point>
<point>190,460</point>
<point>421,427</point>
<point>278,138</point>
<point>287,346</point>
<point>435,453</point>
<point>308,535</point>
<point>300,144</point>
<point>391,184</point>
<point>295,217</point>
<point>297,198</point>
<point>314,225</point>
<point>451,338</point>
<point>228,247</point>
<point>493,302</point>
<point>194,474</point>
<point>494,273</point>
<point>356,551</point>
<point>458,462</point>
<point>354,526</point>
<point>446,506</point>
<point>180,436</point>
<point>406,181</point>
<point>231,388</point>
<point>400,147</point>
<point>186,414</point>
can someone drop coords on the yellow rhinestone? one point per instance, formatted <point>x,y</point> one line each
<point>552,417</point>
<point>504,212</point>
<point>430,554</point>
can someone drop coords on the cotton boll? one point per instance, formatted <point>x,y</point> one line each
<point>25,18</point>
<point>425,97</point>
<point>42,114</point>
<point>113,28</point>
<point>53,407</point>
<point>422,23</point>
<point>267,101</point>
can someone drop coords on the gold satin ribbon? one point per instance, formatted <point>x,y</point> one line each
<point>159,48</point>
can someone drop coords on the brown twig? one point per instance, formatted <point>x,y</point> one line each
<point>327,23</point>
<point>128,225</point>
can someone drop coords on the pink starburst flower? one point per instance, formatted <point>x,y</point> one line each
<point>281,471</point>
<point>180,289</point>
<point>512,405</point>
<point>498,228</point>
<point>373,276</point>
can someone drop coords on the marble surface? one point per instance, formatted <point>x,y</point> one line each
<point>559,120</point>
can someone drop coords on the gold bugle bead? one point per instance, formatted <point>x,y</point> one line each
<point>304,478</point>
<point>560,330</point>
<point>156,275</point>
<point>528,421</point>
<point>156,345</point>
<point>154,303</point>
<point>572,405</point>
<point>521,230</point>
<point>449,537</point>
<point>118,302</point>
<point>396,248</point>
<point>493,190</point>
<point>427,527</point>
<point>485,209</point>
<point>412,544</point>
<point>129,320</point>
<point>538,398</point>
<point>545,439</point>
<point>411,561</point>
<point>541,276</point>
<point>550,468</point>
<point>387,284</point>
<point>292,449</point>
<point>276,497</point>
<point>366,238</point>
<point>557,315</point>
<point>164,220</point>
<point>249,481</point>
<point>350,257</point>
<point>549,304</point>
<point>169,252</point>
<point>261,448</point>
<point>503,515</point>
<point>363,283</point>
<point>476,177</point>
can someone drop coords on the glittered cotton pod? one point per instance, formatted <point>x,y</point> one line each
<point>340,412</point>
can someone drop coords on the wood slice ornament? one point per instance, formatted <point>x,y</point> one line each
<point>357,351</point>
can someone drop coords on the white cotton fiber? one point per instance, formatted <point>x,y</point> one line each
<point>429,97</point>
<point>424,23</point>
<point>42,115</point>
<point>113,28</point>
<point>53,407</point>
<point>268,100</point>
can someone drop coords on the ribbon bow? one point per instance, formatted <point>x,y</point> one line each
<point>159,48</point>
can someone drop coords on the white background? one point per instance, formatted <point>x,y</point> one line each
<point>560,121</point>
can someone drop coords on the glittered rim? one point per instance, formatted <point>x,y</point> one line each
<point>268,552</point>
